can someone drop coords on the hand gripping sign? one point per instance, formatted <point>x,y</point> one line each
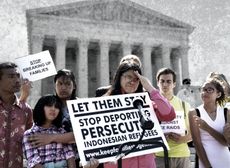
<point>102,124</point>
<point>177,125</point>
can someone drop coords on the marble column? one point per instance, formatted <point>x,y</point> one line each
<point>184,61</point>
<point>37,45</point>
<point>60,60</point>
<point>157,66</point>
<point>82,68</point>
<point>176,67</point>
<point>158,58</point>
<point>126,49</point>
<point>104,63</point>
<point>157,63</point>
<point>147,61</point>
<point>165,51</point>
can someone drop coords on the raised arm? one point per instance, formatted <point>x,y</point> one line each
<point>25,90</point>
<point>163,109</point>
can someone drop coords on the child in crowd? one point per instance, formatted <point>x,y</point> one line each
<point>47,116</point>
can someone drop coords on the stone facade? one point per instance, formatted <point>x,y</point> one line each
<point>90,37</point>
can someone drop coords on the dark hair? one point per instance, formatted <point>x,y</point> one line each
<point>220,77</point>
<point>186,81</point>
<point>6,65</point>
<point>166,71</point>
<point>69,74</point>
<point>122,68</point>
<point>216,83</point>
<point>39,112</point>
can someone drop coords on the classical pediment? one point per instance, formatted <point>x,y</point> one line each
<point>113,11</point>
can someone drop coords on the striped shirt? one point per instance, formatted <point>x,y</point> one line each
<point>52,152</point>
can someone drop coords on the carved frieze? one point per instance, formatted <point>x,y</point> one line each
<point>115,11</point>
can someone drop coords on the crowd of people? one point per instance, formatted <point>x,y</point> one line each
<point>44,134</point>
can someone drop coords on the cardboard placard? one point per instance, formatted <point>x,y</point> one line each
<point>36,66</point>
<point>102,124</point>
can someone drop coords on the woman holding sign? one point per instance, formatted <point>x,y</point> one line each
<point>128,79</point>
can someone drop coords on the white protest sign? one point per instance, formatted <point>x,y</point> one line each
<point>37,66</point>
<point>102,124</point>
<point>177,125</point>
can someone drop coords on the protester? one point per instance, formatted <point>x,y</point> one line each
<point>65,88</point>
<point>47,116</point>
<point>103,89</point>
<point>223,80</point>
<point>130,58</point>
<point>15,117</point>
<point>128,79</point>
<point>179,153</point>
<point>187,94</point>
<point>206,123</point>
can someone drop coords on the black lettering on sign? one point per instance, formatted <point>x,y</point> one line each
<point>37,61</point>
<point>80,107</point>
<point>109,103</point>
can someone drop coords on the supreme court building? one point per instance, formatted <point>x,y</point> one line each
<point>89,37</point>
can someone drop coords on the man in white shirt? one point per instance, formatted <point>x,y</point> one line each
<point>187,94</point>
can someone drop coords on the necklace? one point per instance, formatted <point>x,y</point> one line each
<point>211,111</point>
<point>212,115</point>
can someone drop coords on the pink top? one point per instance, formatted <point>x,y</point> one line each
<point>164,112</point>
